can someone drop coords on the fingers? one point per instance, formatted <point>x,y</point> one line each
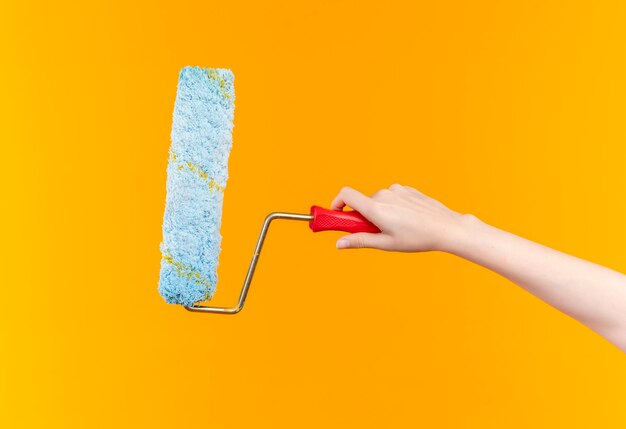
<point>405,190</point>
<point>365,205</point>
<point>413,191</point>
<point>363,240</point>
<point>393,192</point>
<point>353,198</point>
<point>382,195</point>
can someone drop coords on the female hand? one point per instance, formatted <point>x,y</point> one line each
<point>412,222</point>
<point>409,220</point>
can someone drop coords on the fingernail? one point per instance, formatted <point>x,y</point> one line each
<point>343,244</point>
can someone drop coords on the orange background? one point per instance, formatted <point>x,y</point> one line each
<point>513,111</point>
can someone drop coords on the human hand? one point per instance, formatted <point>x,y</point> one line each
<point>412,222</point>
<point>409,220</point>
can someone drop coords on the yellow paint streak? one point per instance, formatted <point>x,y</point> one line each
<point>213,185</point>
<point>187,272</point>
<point>213,75</point>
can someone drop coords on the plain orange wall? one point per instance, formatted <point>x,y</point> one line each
<point>513,111</point>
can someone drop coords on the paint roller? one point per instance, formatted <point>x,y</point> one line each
<point>197,172</point>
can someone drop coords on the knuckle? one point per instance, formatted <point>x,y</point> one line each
<point>396,187</point>
<point>381,195</point>
<point>413,190</point>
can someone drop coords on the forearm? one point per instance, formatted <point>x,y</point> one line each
<point>590,293</point>
<point>410,221</point>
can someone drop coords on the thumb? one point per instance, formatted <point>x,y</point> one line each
<point>361,240</point>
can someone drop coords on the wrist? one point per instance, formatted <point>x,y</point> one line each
<point>462,234</point>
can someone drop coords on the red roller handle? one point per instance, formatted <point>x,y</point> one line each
<point>335,220</point>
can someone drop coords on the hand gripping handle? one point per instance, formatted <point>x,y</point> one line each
<point>335,220</point>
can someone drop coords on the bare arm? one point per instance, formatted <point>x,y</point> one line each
<point>413,222</point>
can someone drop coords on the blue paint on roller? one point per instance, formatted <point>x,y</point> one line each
<point>196,177</point>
